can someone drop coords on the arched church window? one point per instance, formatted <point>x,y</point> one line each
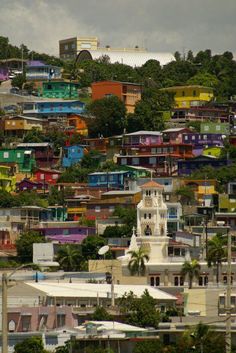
<point>152,283</point>
<point>149,216</point>
<point>157,281</point>
<point>145,215</point>
<point>176,281</point>
<point>155,193</point>
<point>149,192</point>
<point>146,192</point>
<point>11,326</point>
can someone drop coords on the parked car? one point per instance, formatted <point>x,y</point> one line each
<point>14,90</point>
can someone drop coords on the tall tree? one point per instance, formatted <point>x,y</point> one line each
<point>108,117</point>
<point>216,252</point>
<point>137,263</point>
<point>191,269</point>
<point>32,344</point>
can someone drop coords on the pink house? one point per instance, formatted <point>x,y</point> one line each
<point>146,138</point>
<point>175,135</point>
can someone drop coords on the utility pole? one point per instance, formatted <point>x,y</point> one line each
<point>22,58</point>
<point>4,314</point>
<point>112,288</point>
<point>228,297</point>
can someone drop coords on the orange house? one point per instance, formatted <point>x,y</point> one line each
<point>129,93</point>
<point>78,124</point>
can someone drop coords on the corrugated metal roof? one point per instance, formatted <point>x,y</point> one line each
<point>91,290</point>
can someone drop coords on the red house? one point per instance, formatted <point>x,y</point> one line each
<point>47,176</point>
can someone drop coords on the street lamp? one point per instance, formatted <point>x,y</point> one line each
<point>5,279</point>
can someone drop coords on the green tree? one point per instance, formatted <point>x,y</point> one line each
<point>216,253</point>
<point>18,81</point>
<point>140,312</point>
<point>24,245</point>
<point>137,263</point>
<point>34,135</point>
<point>203,338</point>
<point>186,194</point>
<point>204,79</point>
<point>148,114</point>
<point>191,269</point>
<point>90,246</point>
<point>69,257</point>
<point>150,346</point>
<point>100,314</point>
<point>91,160</point>
<point>108,117</point>
<point>32,344</point>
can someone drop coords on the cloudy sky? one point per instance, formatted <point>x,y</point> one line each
<point>158,25</point>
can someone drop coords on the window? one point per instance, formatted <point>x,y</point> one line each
<point>233,301</point>
<point>206,128</point>
<point>181,282</point>
<point>61,320</point>
<point>18,155</point>
<point>157,281</point>
<point>152,160</point>
<point>66,47</point>
<point>194,93</point>
<point>193,137</point>
<point>42,176</point>
<point>123,161</point>
<point>135,161</point>
<point>185,138</point>
<point>152,281</point>
<point>149,216</point>
<point>97,209</point>
<point>111,208</point>
<point>5,154</point>
<point>217,127</point>
<point>176,281</point>
<point>183,94</point>
<point>54,176</point>
<point>145,215</point>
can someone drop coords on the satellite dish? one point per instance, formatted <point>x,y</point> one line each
<point>103,250</point>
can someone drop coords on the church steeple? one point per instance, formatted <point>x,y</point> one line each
<point>152,212</point>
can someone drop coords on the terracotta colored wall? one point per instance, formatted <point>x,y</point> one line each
<point>101,89</point>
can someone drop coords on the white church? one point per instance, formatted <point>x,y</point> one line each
<point>166,256</point>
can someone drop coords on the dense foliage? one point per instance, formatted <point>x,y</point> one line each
<point>24,245</point>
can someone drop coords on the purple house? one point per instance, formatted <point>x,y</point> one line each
<point>201,141</point>
<point>4,73</point>
<point>27,184</point>
<point>67,234</point>
<point>146,138</point>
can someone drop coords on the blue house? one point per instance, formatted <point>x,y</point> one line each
<point>37,70</point>
<point>72,155</point>
<point>52,108</point>
<point>107,180</point>
<point>188,166</point>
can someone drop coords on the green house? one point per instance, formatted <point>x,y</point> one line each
<point>215,128</point>
<point>60,89</point>
<point>24,159</point>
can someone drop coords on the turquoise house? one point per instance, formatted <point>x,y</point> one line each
<point>59,89</point>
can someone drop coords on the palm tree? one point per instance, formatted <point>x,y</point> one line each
<point>137,263</point>
<point>69,257</point>
<point>216,253</point>
<point>191,269</point>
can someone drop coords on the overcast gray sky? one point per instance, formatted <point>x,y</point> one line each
<point>159,25</point>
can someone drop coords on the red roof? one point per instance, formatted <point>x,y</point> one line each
<point>151,184</point>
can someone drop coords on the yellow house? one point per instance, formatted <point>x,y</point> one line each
<point>7,181</point>
<point>19,125</point>
<point>190,96</point>
<point>214,151</point>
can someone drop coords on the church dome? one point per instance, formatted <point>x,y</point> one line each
<point>151,184</point>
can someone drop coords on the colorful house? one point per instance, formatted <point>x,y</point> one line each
<point>227,203</point>
<point>7,180</point>
<point>215,128</point>
<point>202,113</point>
<point>189,96</point>
<point>188,166</point>
<point>24,159</point>
<point>212,151</point>
<point>175,135</point>
<point>4,72</point>
<point>77,124</point>
<point>19,125</point>
<point>29,185</point>
<point>204,141</point>
<point>43,152</point>
<point>72,155</point>
<point>37,70</point>
<point>146,138</point>
<point>108,180</point>
<point>60,89</point>
<point>52,108</point>
<point>47,176</point>
<point>204,189</point>
<point>129,93</point>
